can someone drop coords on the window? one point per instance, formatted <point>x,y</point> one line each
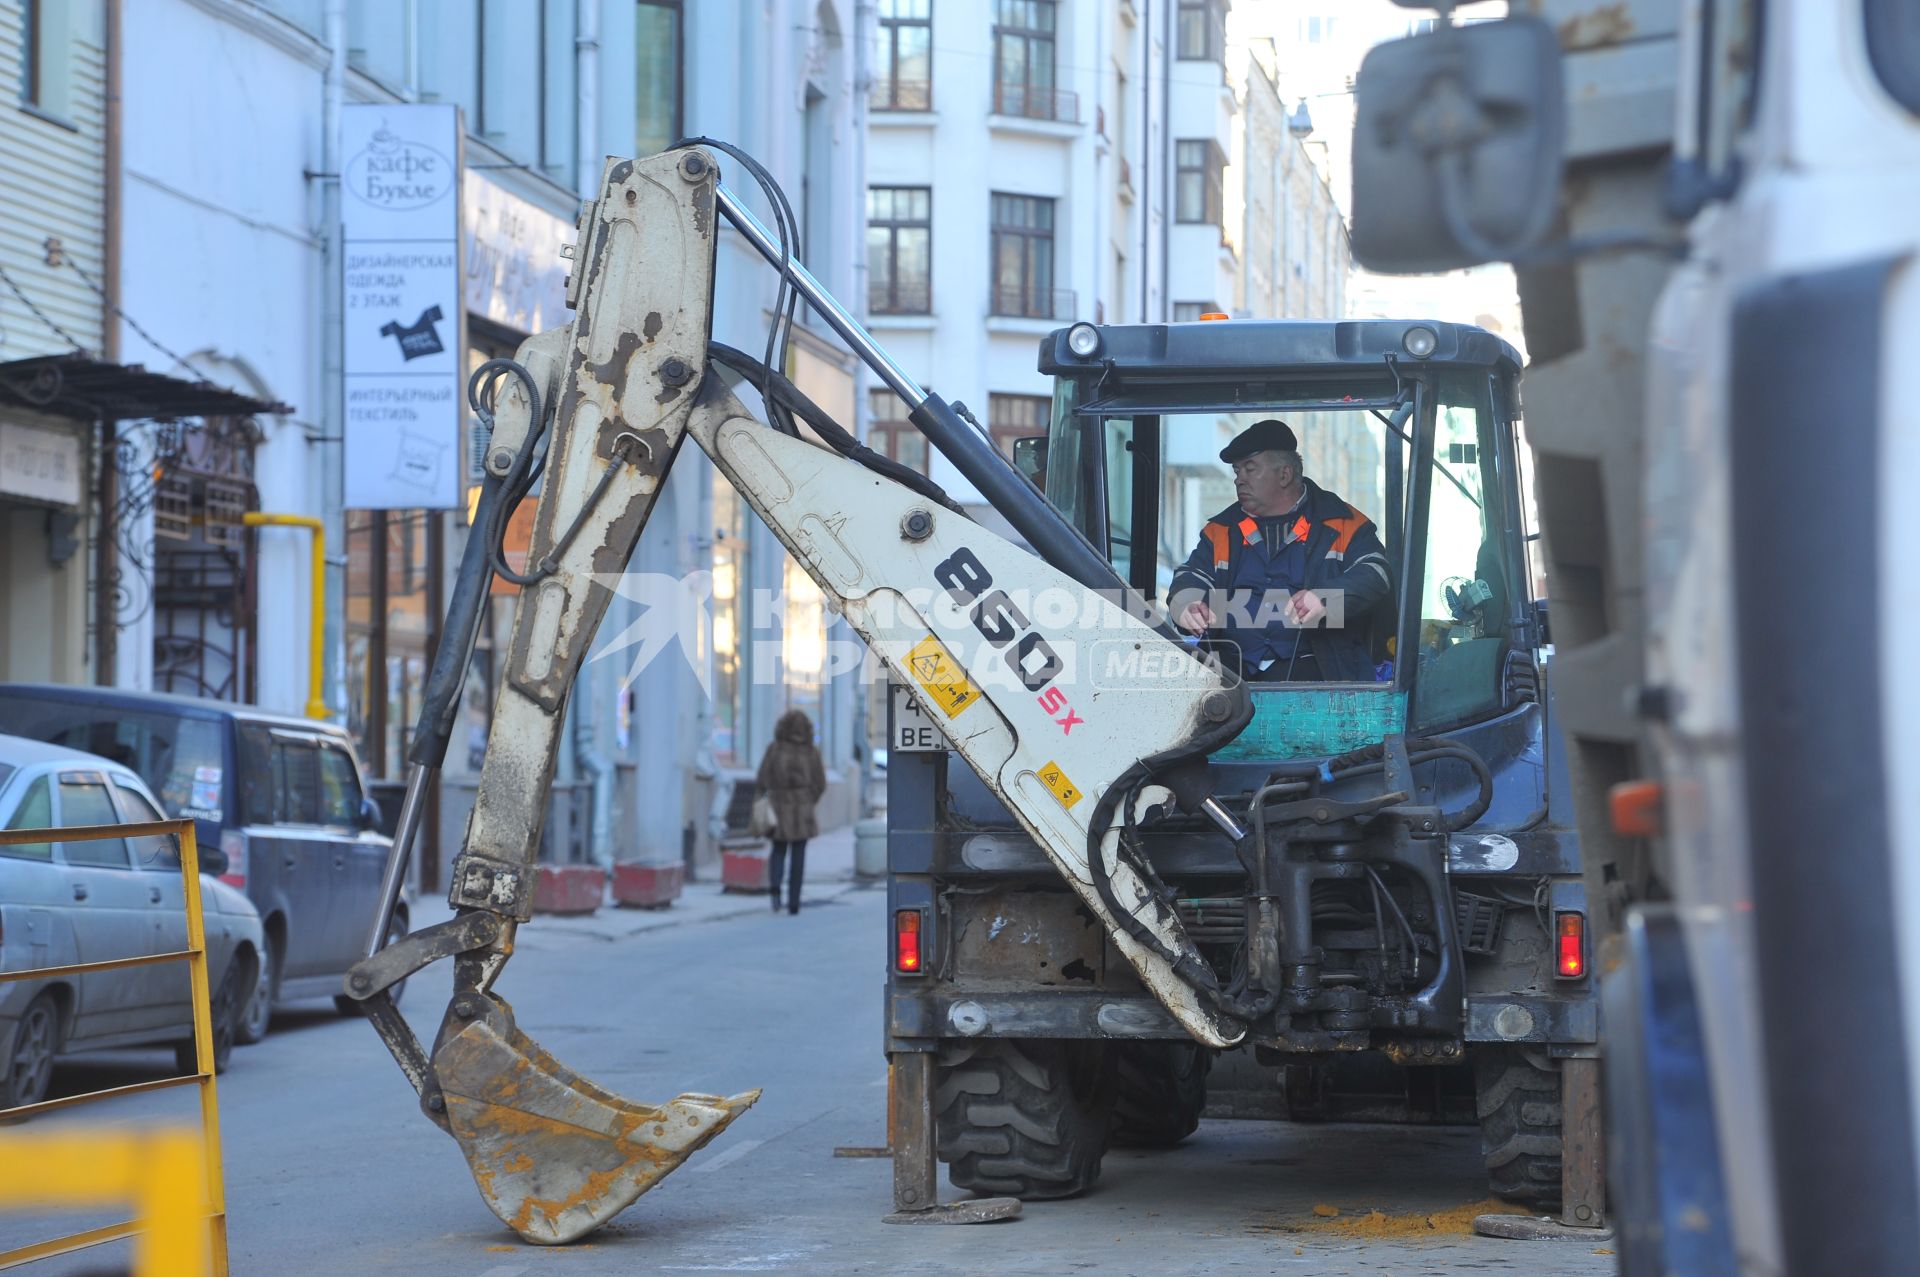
<point>1023,258</point>
<point>30,53</point>
<point>84,801</point>
<point>296,782</point>
<point>1467,596</point>
<point>153,851</point>
<point>257,773</point>
<point>1202,34</point>
<point>1199,175</point>
<point>899,250</point>
<point>339,789</point>
<point>905,81</point>
<point>48,34</point>
<point>1190,312</point>
<point>179,758</point>
<point>659,36</point>
<point>34,812</point>
<point>390,624</point>
<point>729,681</point>
<point>890,434</point>
<point>1011,417</point>
<point>1023,67</point>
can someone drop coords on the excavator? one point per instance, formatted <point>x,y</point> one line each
<point>1083,767</point>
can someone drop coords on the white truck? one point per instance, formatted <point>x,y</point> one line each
<point>1710,209</point>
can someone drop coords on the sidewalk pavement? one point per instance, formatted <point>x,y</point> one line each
<point>829,874</point>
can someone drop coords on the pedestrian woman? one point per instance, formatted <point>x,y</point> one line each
<point>792,777</point>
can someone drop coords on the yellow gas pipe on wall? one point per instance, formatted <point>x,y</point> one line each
<point>316,707</point>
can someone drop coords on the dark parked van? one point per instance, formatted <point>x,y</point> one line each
<point>280,809</point>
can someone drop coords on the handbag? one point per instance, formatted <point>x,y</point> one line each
<point>762,822</point>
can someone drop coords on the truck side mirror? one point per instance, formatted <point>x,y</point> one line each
<point>371,816</point>
<point>1458,146</point>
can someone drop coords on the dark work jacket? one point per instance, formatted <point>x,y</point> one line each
<point>1322,545</point>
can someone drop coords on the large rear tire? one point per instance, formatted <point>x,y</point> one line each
<point>1518,1103</point>
<point>1160,1091</point>
<point>1024,1118</point>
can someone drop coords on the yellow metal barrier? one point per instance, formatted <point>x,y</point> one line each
<point>172,1178</point>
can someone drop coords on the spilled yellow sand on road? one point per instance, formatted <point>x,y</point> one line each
<point>1379,1225</point>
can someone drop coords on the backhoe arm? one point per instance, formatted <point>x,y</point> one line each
<point>948,606</point>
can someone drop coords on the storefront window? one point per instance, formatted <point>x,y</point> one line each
<point>361,637</point>
<point>803,643</point>
<point>408,533</point>
<point>729,694</point>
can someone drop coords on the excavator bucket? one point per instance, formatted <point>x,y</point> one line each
<point>553,1154</point>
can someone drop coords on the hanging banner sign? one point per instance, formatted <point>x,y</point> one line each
<point>515,275</point>
<point>402,309</point>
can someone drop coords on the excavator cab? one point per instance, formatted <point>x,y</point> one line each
<point>1422,445</point>
<point>1409,903</point>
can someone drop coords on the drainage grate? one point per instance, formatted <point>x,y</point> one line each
<point>1477,919</point>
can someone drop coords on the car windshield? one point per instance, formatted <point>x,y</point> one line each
<point>180,758</point>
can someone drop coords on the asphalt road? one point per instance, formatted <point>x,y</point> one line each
<point>330,1169</point>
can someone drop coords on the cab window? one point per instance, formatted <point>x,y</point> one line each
<point>1468,599</point>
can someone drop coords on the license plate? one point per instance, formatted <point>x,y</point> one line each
<point>913,731</point>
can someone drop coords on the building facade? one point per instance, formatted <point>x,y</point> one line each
<point>52,228</point>
<point>1103,133</point>
<point>231,262</point>
<point>108,469</point>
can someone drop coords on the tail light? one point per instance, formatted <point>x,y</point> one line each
<point>233,845</point>
<point>906,940</point>
<point>1570,946</point>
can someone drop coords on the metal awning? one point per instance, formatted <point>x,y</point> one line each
<point>78,386</point>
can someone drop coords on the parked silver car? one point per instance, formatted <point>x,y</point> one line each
<point>63,903</point>
<point>280,806</point>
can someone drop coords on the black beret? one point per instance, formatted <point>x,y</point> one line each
<point>1271,435</point>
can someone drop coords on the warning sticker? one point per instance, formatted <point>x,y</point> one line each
<point>1056,781</point>
<point>940,676</point>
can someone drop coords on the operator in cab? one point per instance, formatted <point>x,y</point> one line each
<point>1285,578</point>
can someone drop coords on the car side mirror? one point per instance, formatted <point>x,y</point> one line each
<point>1030,458</point>
<point>371,815</point>
<point>1458,146</point>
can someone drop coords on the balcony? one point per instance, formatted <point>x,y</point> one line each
<point>1031,303</point>
<point>906,297</point>
<point>901,95</point>
<point>1032,102</point>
